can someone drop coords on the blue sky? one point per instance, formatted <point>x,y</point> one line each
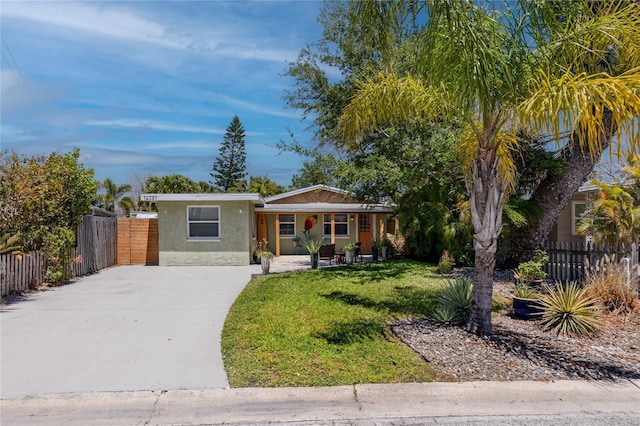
<point>148,87</point>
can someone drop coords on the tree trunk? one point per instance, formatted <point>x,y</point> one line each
<point>553,196</point>
<point>486,198</point>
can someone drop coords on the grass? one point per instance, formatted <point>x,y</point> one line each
<point>328,327</point>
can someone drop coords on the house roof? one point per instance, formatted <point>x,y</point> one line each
<point>255,198</point>
<point>314,188</point>
<point>324,208</point>
<point>313,199</point>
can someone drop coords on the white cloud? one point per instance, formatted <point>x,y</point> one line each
<point>154,125</point>
<point>92,18</point>
<point>113,20</point>
<point>250,106</point>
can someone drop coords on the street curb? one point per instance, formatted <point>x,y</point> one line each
<point>366,404</point>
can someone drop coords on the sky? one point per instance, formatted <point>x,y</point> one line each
<point>147,88</point>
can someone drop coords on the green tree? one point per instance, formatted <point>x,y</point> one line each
<point>394,164</point>
<point>229,169</point>
<point>614,218</point>
<point>480,66</point>
<point>113,194</point>
<point>41,195</point>
<point>171,184</point>
<point>264,186</point>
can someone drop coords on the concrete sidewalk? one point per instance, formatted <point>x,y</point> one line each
<point>125,328</point>
<point>562,402</point>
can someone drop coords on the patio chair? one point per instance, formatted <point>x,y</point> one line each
<point>327,251</point>
<point>298,248</point>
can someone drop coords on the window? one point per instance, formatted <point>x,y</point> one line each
<point>342,225</point>
<point>203,222</point>
<point>287,225</point>
<point>577,211</point>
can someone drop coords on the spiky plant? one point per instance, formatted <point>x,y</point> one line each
<point>454,303</point>
<point>313,246</point>
<point>568,310</point>
<point>10,243</point>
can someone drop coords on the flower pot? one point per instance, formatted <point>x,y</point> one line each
<point>374,254</point>
<point>348,257</point>
<point>314,260</point>
<point>265,262</point>
<point>527,308</point>
<point>384,252</point>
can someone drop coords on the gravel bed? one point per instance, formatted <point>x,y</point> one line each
<point>520,350</point>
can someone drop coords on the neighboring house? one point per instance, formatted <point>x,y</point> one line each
<point>565,228</point>
<point>224,228</point>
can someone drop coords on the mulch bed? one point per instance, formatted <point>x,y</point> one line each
<point>520,350</point>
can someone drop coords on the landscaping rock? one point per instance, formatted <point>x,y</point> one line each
<point>520,350</point>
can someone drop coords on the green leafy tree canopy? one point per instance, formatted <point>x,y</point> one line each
<point>41,194</point>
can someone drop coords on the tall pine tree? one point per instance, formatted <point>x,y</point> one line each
<point>229,169</point>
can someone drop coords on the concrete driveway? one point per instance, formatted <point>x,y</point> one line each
<point>125,328</point>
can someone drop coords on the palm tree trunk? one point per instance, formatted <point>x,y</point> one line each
<point>553,196</point>
<point>486,199</point>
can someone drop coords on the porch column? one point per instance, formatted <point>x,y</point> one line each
<point>333,228</point>
<point>277,235</point>
<point>375,232</point>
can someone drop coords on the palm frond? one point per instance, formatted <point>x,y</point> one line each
<point>579,104</point>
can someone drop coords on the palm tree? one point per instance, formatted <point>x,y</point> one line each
<point>614,217</point>
<point>115,194</point>
<point>482,65</point>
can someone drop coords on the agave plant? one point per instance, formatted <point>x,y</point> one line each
<point>9,243</point>
<point>568,310</point>
<point>313,246</point>
<point>454,303</point>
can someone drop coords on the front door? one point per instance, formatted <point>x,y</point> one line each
<point>365,234</point>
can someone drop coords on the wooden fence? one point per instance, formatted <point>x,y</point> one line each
<point>137,241</point>
<point>572,261</point>
<point>21,273</point>
<point>95,250</point>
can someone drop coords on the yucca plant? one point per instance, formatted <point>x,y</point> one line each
<point>568,310</point>
<point>454,303</point>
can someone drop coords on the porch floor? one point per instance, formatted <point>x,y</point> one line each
<point>287,263</point>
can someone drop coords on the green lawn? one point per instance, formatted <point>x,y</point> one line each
<point>328,327</point>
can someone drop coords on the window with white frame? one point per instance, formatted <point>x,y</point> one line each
<point>577,212</point>
<point>287,225</point>
<point>203,222</point>
<point>341,225</point>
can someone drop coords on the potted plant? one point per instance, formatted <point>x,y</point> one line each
<point>265,260</point>
<point>526,303</point>
<point>531,272</point>
<point>376,245</point>
<point>349,253</point>
<point>313,246</point>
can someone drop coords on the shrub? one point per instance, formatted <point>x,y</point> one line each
<point>524,291</point>
<point>57,250</point>
<point>532,270</point>
<point>454,303</point>
<point>446,263</point>
<point>609,285</point>
<point>568,310</point>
